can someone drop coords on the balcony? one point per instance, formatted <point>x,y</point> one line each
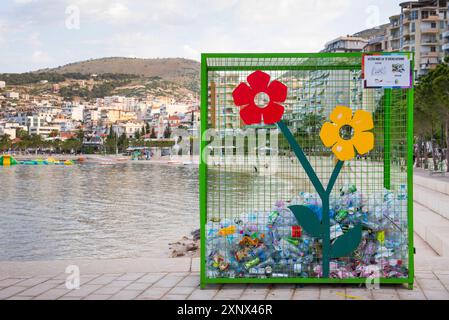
<point>432,18</point>
<point>429,31</point>
<point>428,66</point>
<point>445,47</point>
<point>429,54</point>
<point>430,42</point>
<point>446,34</point>
<point>409,43</point>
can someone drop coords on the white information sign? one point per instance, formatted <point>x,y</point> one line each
<point>387,71</point>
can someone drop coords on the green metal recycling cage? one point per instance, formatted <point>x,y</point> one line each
<point>306,168</point>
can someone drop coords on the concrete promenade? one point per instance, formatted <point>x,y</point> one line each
<point>178,278</point>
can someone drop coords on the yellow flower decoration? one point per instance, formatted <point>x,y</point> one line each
<point>343,148</point>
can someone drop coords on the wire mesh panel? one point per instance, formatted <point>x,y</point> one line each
<point>252,180</point>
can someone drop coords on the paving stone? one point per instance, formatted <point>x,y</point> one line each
<point>358,294</point>
<point>385,294</point>
<point>181,290</point>
<point>108,290</point>
<point>153,293</point>
<point>431,284</point>
<point>190,281</point>
<point>132,276</point>
<point>228,294</point>
<point>175,297</point>
<point>280,294</point>
<point>301,294</point>
<point>52,294</point>
<point>103,279</point>
<point>415,294</point>
<point>151,278</point>
<point>332,294</point>
<point>247,296</point>
<point>169,281</point>
<point>37,290</point>
<point>425,275</point>
<point>10,291</point>
<point>138,286</point>
<point>436,294</point>
<point>120,283</point>
<point>84,290</point>
<point>31,282</point>
<point>203,294</point>
<point>19,298</point>
<point>9,282</point>
<point>258,290</point>
<point>97,297</point>
<point>126,295</point>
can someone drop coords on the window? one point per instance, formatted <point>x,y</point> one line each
<point>442,24</point>
<point>412,27</point>
<point>433,49</point>
<point>433,25</point>
<point>413,15</point>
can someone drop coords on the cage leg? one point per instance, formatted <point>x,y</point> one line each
<point>410,285</point>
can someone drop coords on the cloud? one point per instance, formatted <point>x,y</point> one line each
<point>3,32</point>
<point>181,28</point>
<point>34,39</point>
<point>40,57</point>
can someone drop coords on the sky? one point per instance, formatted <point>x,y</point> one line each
<point>37,34</point>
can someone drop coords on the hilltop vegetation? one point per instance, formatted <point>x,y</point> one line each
<point>183,72</point>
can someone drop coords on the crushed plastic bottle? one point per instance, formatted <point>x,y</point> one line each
<point>272,244</point>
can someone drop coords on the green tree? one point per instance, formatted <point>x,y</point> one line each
<point>153,133</point>
<point>54,133</point>
<point>122,143</point>
<point>5,142</point>
<point>432,112</point>
<point>167,131</point>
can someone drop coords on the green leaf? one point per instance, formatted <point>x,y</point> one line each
<point>347,243</point>
<point>308,220</point>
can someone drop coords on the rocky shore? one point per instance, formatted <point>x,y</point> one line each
<point>187,246</point>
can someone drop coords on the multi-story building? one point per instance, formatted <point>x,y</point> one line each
<point>346,44</point>
<point>12,95</point>
<point>128,128</point>
<point>39,125</point>
<point>223,114</point>
<point>420,27</point>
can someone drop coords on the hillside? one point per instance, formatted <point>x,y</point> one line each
<point>183,72</point>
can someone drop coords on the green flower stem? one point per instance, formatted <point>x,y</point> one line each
<point>302,158</point>
<point>323,193</point>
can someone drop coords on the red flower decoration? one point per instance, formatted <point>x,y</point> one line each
<point>244,97</point>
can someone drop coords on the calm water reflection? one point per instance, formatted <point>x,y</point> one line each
<point>91,211</point>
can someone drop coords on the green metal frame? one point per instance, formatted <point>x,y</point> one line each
<point>387,103</point>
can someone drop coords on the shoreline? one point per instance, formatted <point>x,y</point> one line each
<point>107,159</point>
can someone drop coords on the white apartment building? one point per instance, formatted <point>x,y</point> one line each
<point>12,95</point>
<point>129,128</point>
<point>39,124</point>
<point>91,115</point>
<point>346,44</point>
<point>421,27</point>
<point>75,112</point>
<point>2,84</point>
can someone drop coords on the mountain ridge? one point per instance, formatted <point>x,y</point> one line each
<point>182,71</point>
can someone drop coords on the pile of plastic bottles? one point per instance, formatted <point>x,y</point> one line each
<point>272,244</point>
